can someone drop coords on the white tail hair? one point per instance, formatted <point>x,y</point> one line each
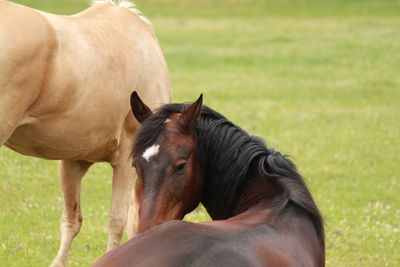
<point>128,5</point>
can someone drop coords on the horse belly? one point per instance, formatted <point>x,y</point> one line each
<point>59,139</point>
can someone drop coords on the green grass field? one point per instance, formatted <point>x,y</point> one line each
<point>319,80</point>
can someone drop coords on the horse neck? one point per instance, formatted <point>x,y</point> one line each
<point>264,201</point>
<point>261,193</point>
<point>226,154</point>
<point>244,178</point>
<point>256,193</point>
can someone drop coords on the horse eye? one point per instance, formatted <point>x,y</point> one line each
<point>180,168</point>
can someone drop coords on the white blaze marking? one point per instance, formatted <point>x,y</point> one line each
<point>150,152</point>
<point>167,120</point>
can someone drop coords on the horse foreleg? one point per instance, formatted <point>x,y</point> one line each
<point>71,173</point>
<point>121,195</point>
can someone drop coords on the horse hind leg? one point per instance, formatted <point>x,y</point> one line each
<point>71,173</point>
<point>6,125</point>
<point>11,113</point>
<point>6,129</point>
<point>133,214</point>
<point>121,196</point>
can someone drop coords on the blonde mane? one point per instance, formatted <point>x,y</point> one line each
<point>128,5</point>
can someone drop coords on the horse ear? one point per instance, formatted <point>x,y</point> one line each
<point>139,109</point>
<point>191,114</point>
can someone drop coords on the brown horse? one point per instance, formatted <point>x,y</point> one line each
<point>185,155</point>
<point>65,83</point>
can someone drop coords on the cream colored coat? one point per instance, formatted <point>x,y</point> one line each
<point>65,85</point>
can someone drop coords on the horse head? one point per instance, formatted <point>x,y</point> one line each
<point>169,183</point>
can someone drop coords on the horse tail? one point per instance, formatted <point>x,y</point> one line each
<point>130,6</point>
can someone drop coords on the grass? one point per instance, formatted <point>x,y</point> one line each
<point>318,79</point>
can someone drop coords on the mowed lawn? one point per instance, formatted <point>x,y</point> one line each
<point>319,80</point>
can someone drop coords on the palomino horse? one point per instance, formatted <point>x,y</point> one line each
<point>65,83</point>
<point>184,155</point>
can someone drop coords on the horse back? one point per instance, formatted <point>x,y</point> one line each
<point>106,51</point>
<point>179,243</point>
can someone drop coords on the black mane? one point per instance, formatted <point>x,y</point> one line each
<point>227,153</point>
